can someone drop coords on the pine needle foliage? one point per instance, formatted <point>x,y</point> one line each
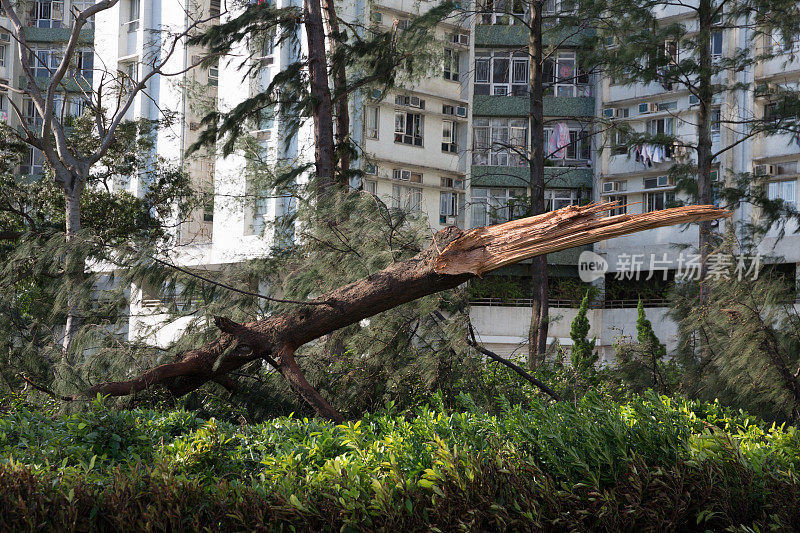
<point>752,330</point>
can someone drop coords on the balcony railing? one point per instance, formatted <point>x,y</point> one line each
<point>570,303</point>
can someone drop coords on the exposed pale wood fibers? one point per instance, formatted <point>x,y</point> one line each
<point>485,249</point>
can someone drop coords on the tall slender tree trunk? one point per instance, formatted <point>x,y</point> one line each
<point>537,334</point>
<point>704,152</point>
<point>75,263</point>
<point>339,86</point>
<point>322,107</point>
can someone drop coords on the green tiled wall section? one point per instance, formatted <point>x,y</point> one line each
<point>556,177</point>
<point>517,36</point>
<point>70,85</point>
<point>56,35</point>
<point>517,106</point>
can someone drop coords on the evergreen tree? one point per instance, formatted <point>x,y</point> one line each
<point>583,355</point>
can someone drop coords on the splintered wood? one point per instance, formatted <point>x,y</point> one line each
<point>488,248</point>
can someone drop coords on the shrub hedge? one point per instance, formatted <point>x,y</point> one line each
<point>651,463</point>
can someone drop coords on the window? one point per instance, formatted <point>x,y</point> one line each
<point>406,175</point>
<point>78,6</point>
<point>371,186</point>
<point>33,162</point>
<point>451,183</point>
<point>31,115</point>
<point>84,64</point>
<point>577,149</point>
<point>561,76</point>
<point>213,73</point>
<point>716,44</point>
<point>783,190</point>
<point>716,119</point>
<point>622,201</point>
<point>215,8</point>
<point>496,205</point>
<point>451,64</point>
<point>561,7</point>
<point>45,61</point>
<point>372,121</point>
<point>558,198</point>
<point>501,73</point>
<point>449,136</point>
<point>659,200</point>
<point>408,128</point>
<point>133,15</point>
<point>49,14</point>
<point>619,141</point>
<point>2,55</point>
<point>406,198</point>
<point>451,208</point>
<point>661,126</point>
<point>501,11</point>
<point>500,141</point>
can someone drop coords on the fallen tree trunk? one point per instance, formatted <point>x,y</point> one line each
<point>454,257</point>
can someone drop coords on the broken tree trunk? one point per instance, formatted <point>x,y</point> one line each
<point>454,257</point>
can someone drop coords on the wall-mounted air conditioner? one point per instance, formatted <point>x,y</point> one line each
<point>609,112</point>
<point>264,135</point>
<point>461,111</point>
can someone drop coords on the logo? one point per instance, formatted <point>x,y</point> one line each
<point>591,266</point>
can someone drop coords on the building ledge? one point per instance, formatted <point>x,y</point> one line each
<point>56,35</point>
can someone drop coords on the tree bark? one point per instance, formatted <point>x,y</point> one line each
<point>537,333</point>
<point>322,107</point>
<point>704,153</point>
<point>339,86</point>
<point>454,257</point>
<point>75,263</point>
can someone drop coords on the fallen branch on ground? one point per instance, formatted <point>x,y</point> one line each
<point>454,257</point>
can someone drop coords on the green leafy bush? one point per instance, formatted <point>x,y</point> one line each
<point>651,462</point>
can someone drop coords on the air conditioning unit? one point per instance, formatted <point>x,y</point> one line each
<point>766,170</point>
<point>610,186</point>
<point>452,220</point>
<point>665,181</point>
<point>376,94</point>
<point>608,112</point>
<point>648,107</point>
<point>461,111</point>
<point>5,37</point>
<point>264,135</point>
<point>377,16</point>
<point>694,100</point>
<point>267,61</point>
<point>370,168</point>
